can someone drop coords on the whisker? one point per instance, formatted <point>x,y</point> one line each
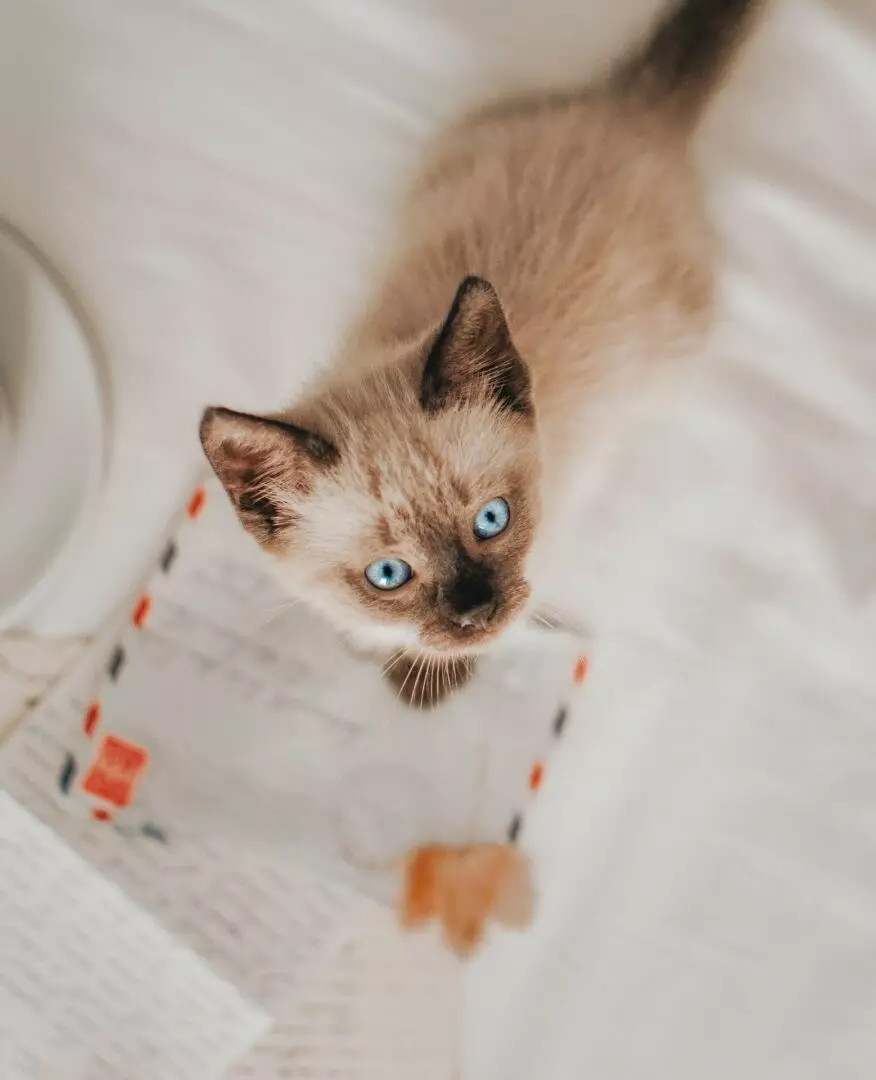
<point>404,681</point>
<point>423,668</point>
<point>420,668</point>
<point>414,663</point>
<point>275,613</point>
<point>427,674</point>
<point>551,618</point>
<point>436,676</point>
<point>557,614</point>
<point>391,662</point>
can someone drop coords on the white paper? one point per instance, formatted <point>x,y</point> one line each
<point>284,779</point>
<point>91,986</point>
<point>265,731</point>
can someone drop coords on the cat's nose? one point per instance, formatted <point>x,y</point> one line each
<point>471,600</point>
<point>478,618</point>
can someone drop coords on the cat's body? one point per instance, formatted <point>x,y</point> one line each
<point>553,259</point>
<point>585,217</point>
<point>596,245</point>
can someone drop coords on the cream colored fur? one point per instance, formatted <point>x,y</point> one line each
<point>587,218</point>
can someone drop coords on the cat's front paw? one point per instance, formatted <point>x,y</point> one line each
<point>424,681</point>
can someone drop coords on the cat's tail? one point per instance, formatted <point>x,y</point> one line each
<point>686,56</point>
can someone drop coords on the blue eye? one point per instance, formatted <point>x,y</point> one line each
<point>388,574</point>
<point>492,519</point>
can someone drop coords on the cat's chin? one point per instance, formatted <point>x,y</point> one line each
<point>454,647</point>
<point>451,643</point>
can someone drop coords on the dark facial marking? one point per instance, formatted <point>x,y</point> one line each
<point>470,590</point>
<point>470,600</point>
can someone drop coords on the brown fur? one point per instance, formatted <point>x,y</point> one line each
<point>424,681</point>
<point>576,228</point>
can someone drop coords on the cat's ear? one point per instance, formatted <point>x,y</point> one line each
<point>474,358</point>
<point>265,466</point>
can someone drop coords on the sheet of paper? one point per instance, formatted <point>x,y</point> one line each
<point>244,721</point>
<point>246,777</point>
<point>90,986</point>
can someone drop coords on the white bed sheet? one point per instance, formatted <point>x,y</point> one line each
<point>213,178</point>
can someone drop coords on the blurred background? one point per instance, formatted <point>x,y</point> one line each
<point>213,181</point>
<point>192,196</point>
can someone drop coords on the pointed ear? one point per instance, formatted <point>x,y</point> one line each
<point>473,358</point>
<point>263,464</point>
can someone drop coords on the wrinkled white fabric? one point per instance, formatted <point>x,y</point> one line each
<point>213,179</point>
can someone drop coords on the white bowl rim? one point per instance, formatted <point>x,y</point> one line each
<point>14,615</point>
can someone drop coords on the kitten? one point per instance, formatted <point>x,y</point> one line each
<point>553,259</point>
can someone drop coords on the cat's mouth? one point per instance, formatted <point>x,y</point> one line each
<point>462,634</point>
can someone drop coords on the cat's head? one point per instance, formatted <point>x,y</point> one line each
<point>401,502</point>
